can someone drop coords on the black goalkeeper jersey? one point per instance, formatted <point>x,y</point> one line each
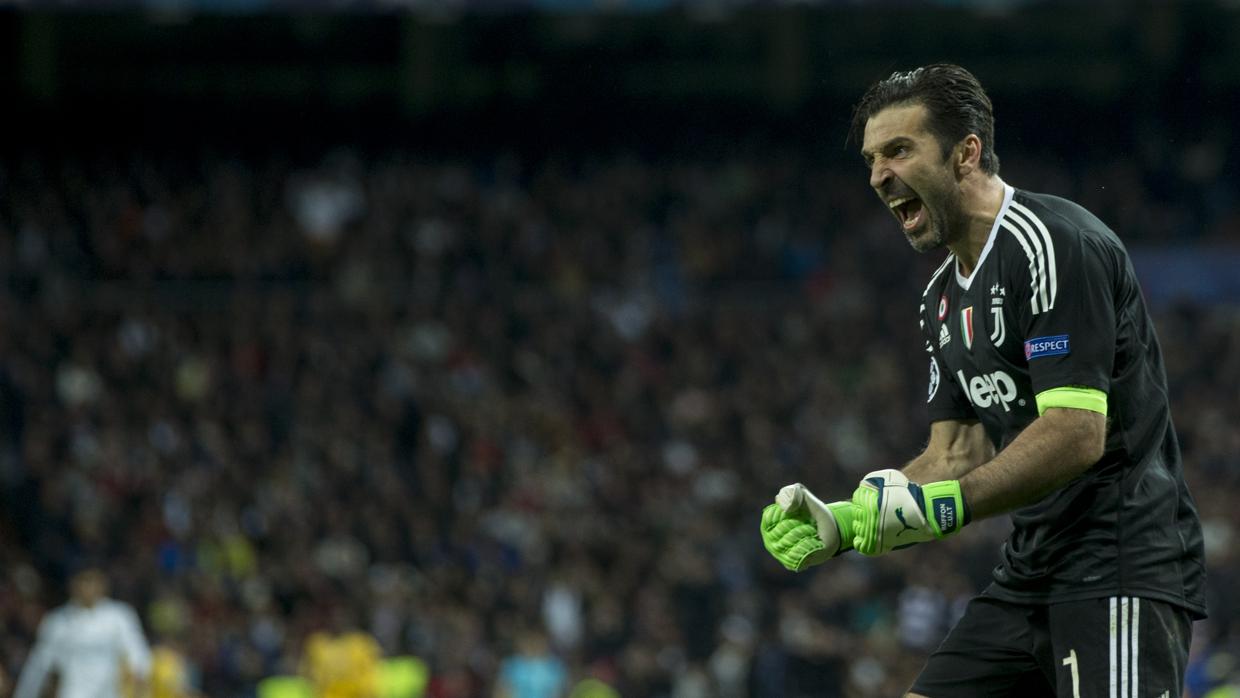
<point>1053,302</point>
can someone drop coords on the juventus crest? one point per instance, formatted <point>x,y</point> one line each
<point>998,330</point>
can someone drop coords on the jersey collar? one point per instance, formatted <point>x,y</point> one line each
<point>965,281</point>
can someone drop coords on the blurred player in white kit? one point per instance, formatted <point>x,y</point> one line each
<point>93,644</point>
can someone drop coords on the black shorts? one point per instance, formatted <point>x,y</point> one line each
<point>1116,647</point>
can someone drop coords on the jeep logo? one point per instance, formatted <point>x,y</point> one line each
<point>983,391</point>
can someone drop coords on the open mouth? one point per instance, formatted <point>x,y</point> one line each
<point>909,210</point>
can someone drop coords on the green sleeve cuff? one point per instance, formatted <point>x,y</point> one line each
<point>1090,399</point>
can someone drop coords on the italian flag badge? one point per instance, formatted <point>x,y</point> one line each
<point>966,326</point>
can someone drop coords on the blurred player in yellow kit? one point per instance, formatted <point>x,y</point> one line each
<point>170,676</point>
<point>342,666</point>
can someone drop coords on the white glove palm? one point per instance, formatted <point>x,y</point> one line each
<point>834,521</point>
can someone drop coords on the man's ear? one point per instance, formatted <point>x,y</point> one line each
<point>968,154</point>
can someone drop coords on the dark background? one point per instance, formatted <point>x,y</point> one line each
<point>484,79</point>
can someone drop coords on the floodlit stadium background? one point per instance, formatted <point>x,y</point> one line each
<point>459,323</point>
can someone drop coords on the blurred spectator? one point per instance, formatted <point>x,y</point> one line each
<point>532,671</point>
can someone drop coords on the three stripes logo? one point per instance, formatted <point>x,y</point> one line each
<point>1035,240</point>
<point>1125,650</point>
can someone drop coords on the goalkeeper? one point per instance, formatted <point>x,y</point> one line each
<point>1047,400</point>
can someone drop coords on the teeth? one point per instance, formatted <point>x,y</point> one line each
<point>897,202</point>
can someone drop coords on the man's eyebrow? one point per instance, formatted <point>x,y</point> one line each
<point>866,154</point>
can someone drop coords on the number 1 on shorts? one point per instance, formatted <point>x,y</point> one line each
<point>1070,661</point>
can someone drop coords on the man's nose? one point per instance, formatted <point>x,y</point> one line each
<point>880,174</point>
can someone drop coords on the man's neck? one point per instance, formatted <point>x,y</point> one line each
<point>982,200</point>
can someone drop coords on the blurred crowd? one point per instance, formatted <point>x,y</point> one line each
<point>510,413</point>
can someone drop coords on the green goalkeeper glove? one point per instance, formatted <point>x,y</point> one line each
<point>891,512</point>
<point>800,531</point>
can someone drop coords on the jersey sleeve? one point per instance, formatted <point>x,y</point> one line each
<point>1069,327</point>
<point>945,400</point>
<point>133,642</point>
<point>42,659</point>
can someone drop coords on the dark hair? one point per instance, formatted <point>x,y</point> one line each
<point>955,103</point>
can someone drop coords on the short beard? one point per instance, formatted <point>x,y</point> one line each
<point>931,241</point>
<point>946,223</point>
